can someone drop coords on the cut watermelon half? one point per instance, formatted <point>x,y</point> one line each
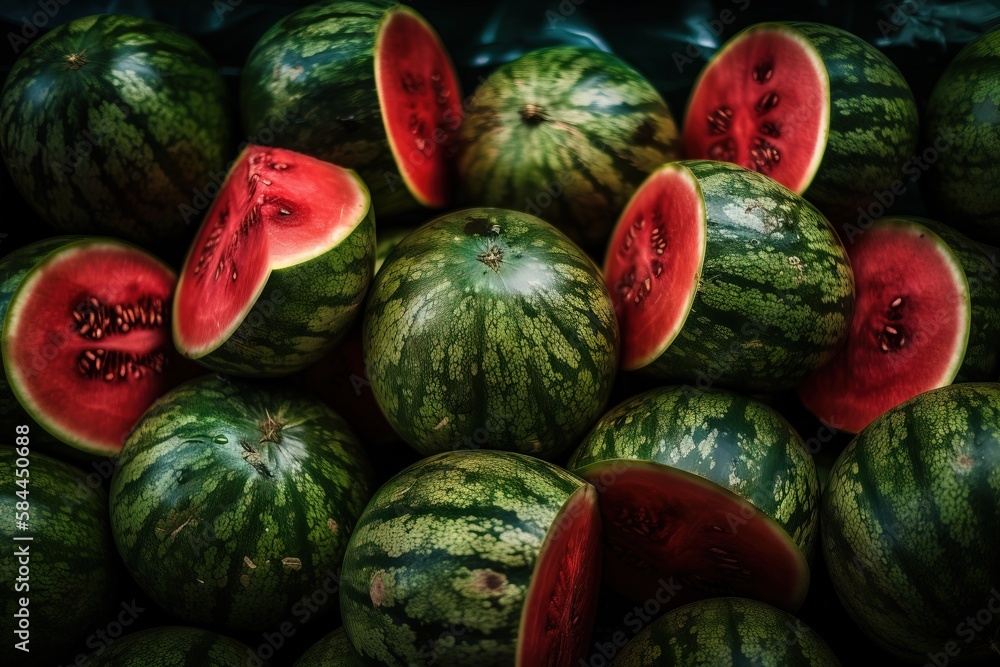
<point>86,341</point>
<point>558,618</point>
<point>910,328</point>
<point>289,240</point>
<point>763,102</point>
<point>665,524</point>
<point>419,95</point>
<point>654,262</point>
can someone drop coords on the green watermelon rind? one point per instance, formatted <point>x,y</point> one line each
<point>964,113</point>
<point>174,646</point>
<point>768,309</point>
<point>727,631</point>
<point>202,492</point>
<point>908,521</point>
<point>73,575</point>
<point>689,432</point>
<point>300,312</point>
<point>526,370</point>
<point>578,169</point>
<point>421,540</point>
<point>120,154</point>
<point>333,103</point>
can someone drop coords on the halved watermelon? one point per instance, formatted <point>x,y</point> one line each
<point>367,85</point>
<point>927,314</point>
<point>712,489</point>
<point>721,275</point>
<point>279,269</point>
<point>482,557</point>
<point>814,107</point>
<point>86,338</point>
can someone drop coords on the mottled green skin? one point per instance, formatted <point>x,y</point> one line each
<point>73,569</point>
<point>873,122</point>
<point>119,145</point>
<point>189,502</point>
<point>459,354</point>
<point>334,650</point>
<point>963,115</point>
<point>909,522</point>
<point>737,442</point>
<point>303,312</point>
<point>982,361</point>
<point>603,129</point>
<point>411,585</point>
<point>175,646</point>
<point>13,268</point>
<point>317,68</point>
<point>776,292</point>
<point>735,632</point>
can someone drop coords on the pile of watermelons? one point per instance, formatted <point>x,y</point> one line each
<point>331,358</point>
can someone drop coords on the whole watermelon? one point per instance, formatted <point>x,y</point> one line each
<point>488,328</point>
<point>116,124</point>
<point>175,646</point>
<point>727,631</point>
<point>909,525</point>
<point>233,501</point>
<point>567,134</point>
<point>962,140</point>
<point>67,571</point>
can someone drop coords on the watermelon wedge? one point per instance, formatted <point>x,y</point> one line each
<point>279,269</point>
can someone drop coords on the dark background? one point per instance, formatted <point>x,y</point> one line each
<point>668,42</point>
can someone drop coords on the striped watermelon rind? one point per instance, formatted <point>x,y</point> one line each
<point>490,328</point>
<point>727,631</point>
<point>302,309</point>
<point>774,295</point>
<point>728,444</point>
<point>73,575</point>
<point>174,646</point>
<point>909,521</point>
<point>123,143</point>
<point>443,561</point>
<point>232,500</point>
<point>333,650</point>
<point>962,126</point>
<point>870,128</point>
<point>565,133</point>
<point>326,84</point>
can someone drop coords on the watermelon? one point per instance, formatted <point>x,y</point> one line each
<point>333,650</point>
<point>232,501</point>
<point>722,275</point>
<point>115,124</point>
<point>706,488</point>
<point>565,133</point>
<point>927,315</point>
<point>909,526</point>
<point>484,558</point>
<point>490,328</point>
<point>727,631</point>
<point>962,140</point>
<point>174,646</point>
<point>816,108</point>
<point>269,299</point>
<point>86,339</point>
<point>61,561</point>
<point>365,84</point>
